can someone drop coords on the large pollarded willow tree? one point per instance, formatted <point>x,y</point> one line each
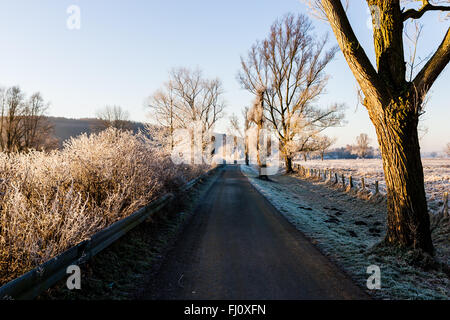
<point>290,63</point>
<point>394,106</point>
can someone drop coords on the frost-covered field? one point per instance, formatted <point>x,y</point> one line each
<point>436,172</point>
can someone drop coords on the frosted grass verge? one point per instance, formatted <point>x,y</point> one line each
<point>399,279</point>
<point>436,175</point>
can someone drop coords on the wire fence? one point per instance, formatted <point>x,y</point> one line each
<point>350,182</point>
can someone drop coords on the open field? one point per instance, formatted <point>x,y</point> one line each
<point>436,172</point>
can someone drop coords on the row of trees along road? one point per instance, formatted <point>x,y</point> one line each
<point>394,105</point>
<point>289,65</point>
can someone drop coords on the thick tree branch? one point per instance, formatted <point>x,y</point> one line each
<point>426,6</point>
<point>355,55</point>
<point>429,73</point>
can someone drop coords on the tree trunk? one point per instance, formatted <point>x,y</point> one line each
<point>192,147</point>
<point>258,146</point>
<point>172,141</point>
<point>247,162</point>
<point>408,221</point>
<point>394,107</point>
<point>288,163</point>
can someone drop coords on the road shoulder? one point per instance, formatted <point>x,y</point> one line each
<point>345,229</point>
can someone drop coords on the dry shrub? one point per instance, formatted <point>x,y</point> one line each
<point>50,201</point>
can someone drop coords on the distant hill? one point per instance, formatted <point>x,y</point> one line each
<point>65,128</point>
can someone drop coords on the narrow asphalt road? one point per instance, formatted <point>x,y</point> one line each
<point>237,246</point>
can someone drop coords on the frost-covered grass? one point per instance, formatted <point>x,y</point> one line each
<point>52,201</point>
<point>347,230</point>
<point>436,174</point>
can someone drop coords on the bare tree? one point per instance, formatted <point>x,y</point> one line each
<point>247,125</point>
<point>3,109</point>
<point>23,124</point>
<point>198,99</point>
<point>236,131</point>
<point>164,110</point>
<point>323,143</point>
<point>188,99</point>
<point>235,126</point>
<point>114,116</point>
<point>37,129</point>
<point>362,147</point>
<point>290,62</point>
<point>394,106</point>
<point>242,132</point>
<point>305,144</point>
<point>256,116</point>
<point>12,112</point>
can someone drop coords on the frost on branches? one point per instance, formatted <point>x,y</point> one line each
<point>50,201</point>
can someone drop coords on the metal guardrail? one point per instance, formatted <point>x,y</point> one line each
<point>34,282</point>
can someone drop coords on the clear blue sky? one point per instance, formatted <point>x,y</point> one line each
<point>124,49</point>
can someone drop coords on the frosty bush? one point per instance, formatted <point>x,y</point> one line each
<point>50,201</point>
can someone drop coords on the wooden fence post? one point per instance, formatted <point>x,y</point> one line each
<point>343,181</point>
<point>363,184</point>
<point>336,178</point>
<point>350,182</point>
<point>376,187</point>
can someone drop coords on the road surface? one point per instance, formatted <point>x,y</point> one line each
<point>237,246</point>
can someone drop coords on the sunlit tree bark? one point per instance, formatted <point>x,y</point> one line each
<point>394,106</point>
